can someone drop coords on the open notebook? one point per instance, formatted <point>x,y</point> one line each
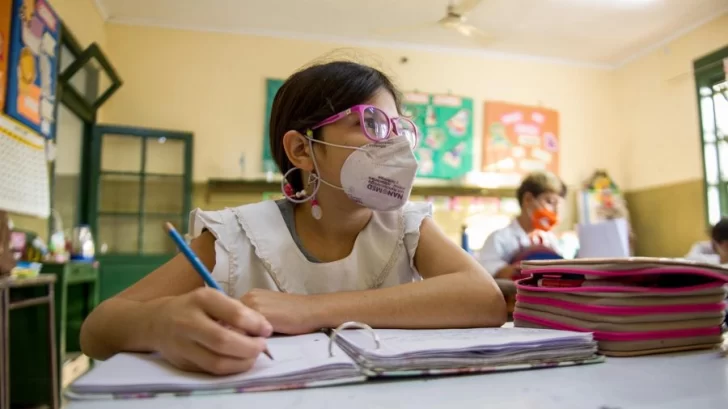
<point>304,361</point>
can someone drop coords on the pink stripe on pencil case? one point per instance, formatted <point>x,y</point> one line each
<point>622,310</point>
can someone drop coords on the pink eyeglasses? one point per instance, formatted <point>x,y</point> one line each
<point>375,124</point>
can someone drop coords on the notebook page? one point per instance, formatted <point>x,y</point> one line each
<point>399,342</point>
<point>292,354</point>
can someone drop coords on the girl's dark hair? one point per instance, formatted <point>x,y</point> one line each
<point>315,93</point>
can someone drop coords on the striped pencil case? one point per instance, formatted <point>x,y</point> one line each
<point>634,306</point>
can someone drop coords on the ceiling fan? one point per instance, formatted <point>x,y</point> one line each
<point>454,19</point>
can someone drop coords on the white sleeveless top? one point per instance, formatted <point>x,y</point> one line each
<point>255,249</point>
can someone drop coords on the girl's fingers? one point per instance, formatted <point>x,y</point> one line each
<point>225,341</point>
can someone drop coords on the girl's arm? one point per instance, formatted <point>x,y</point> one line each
<point>456,293</point>
<point>170,311</point>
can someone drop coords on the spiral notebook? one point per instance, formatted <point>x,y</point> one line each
<point>346,356</point>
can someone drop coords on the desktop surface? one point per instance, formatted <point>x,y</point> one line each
<point>670,381</point>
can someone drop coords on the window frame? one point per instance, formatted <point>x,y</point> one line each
<point>708,72</point>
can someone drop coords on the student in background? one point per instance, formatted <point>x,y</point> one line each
<point>704,251</point>
<point>345,244</point>
<point>719,236</point>
<point>539,196</point>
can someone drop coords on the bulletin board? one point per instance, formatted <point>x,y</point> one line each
<point>24,181</point>
<point>445,149</point>
<point>271,88</point>
<point>519,139</point>
<point>33,65</point>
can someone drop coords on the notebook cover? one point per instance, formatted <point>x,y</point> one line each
<point>148,395</point>
<point>594,359</point>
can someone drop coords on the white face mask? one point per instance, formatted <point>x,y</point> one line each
<point>378,175</point>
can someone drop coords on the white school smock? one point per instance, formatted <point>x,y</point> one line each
<point>254,249</point>
<point>500,247</point>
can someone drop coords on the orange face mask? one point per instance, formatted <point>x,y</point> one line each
<point>544,219</point>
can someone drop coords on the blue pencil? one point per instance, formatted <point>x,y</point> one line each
<point>196,263</point>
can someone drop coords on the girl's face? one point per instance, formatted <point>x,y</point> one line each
<point>347,132</point>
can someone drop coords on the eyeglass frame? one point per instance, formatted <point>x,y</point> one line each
<point>359,109</point>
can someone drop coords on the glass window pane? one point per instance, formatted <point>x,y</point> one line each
<point>155,238</point>
<point>118,234</point>
<point>69,141</point>
<point>121,153</point>
<point>713,205</point>
<point>721,114</point>
<point>165,156</point>
<point>164,194</point>
<point>711,163</point>
<point>706,109</point>
<point>723,159</point>
<point>119,193</point>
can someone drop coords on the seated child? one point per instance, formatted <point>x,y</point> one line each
<point>719,236</point>
<point>345,244</point>
<point>539,196</point>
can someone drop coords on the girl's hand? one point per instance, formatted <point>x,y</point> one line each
<point>207,331</point>
<point>288,313</point>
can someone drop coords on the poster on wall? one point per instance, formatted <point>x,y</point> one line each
<point>519,139</point>
<point>445,149</point>
<point>32,65</point>
<point>271,88</point>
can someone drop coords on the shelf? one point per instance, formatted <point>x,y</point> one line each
<point>241,186</point>
<point>139,174</point>
<point>146,215</point>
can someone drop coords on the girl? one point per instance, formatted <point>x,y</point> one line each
<point>343,246</point>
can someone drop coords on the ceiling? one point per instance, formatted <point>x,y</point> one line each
<point>598,32</point>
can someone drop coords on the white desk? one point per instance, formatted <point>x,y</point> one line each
<point>691,381</point>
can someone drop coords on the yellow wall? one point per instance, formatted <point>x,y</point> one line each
<point>83,19</point>
<point>659,111</point>
<point>213,85</point>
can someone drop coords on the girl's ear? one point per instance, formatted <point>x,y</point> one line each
<point>298,150</point>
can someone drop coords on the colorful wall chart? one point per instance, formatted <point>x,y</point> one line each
<point>271,88</point>
<point>32,66</point>
<point>519,139</point>
<point>445,149</point>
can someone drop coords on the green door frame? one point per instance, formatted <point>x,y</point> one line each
<point>144,133</point>
<point>120,270</point>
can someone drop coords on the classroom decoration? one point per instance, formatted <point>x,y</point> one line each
<point>6,8</point>
<point>271,88</point>
<point>24,182</point>
<point>519,139</point>
<point>601,200</point>
<point>32,65</point>
<point>445,148</point>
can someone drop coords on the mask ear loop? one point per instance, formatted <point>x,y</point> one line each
<point>301,196</point>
